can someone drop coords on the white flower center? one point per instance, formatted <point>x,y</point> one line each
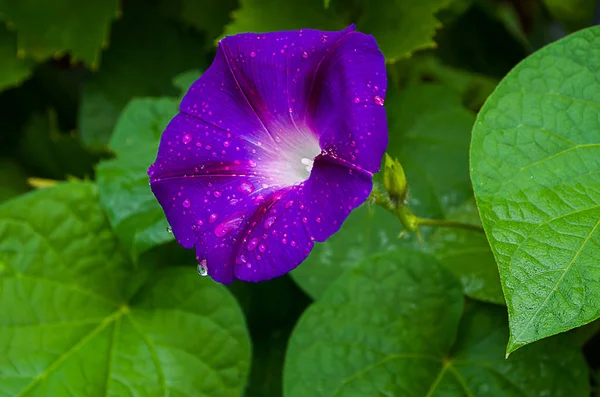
<point>295,162</point>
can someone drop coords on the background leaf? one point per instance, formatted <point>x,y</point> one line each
<point>147,52</point>
<point>123,184</point>
<point>81,311</point>
<point>12,70</point>
<point>269,15</point>
<point>401,27</point>
<point>535,160</point>
<point>575,14</point>
<point>388,327</point>
<point>208,16</point>
<point>39,37</point>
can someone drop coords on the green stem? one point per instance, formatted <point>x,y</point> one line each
<point>410,221</point>
<point>450,224</point>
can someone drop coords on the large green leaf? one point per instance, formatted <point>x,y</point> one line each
<point>389,326</point>
<point>123,184</point>
<point>13,70</point>
<point>147,53</point>
<point>78,318</point>
<point>429,132</point>
<point>535,161</point>
<point>48,28</point>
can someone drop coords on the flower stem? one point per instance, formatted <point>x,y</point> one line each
<point>410,221</point>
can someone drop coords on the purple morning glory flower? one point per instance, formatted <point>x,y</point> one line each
<point>274,146</point>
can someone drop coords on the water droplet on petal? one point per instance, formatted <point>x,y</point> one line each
<point>304,54</point>
<point>252,163</point>
<point>318,220</point>
<point>270,221</point>
<point>304,220</point>
<point>356,100</point>
<point>212,218</point>
<point>240,260</point>
<point>252,54</point>
<point>289,204</point>
<point>186,203</point>
<point>252,244</point>
<point>226,143</point>
<point>217,194</point>
<point>262,248</point>
<point>378,100</point>
<point>187,138</point>
<point>202,268</point>
<point>228,225</point>
<point>246,188</point>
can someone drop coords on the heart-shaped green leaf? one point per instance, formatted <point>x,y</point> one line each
<point>535,159</point>
<point>388,328</point>
<point>78,318</point>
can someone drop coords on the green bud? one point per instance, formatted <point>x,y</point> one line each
<point>394,179</point>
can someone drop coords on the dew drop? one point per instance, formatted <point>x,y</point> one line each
<point>187,138</point>
<point>246,188</point>
<point>252,54</point>
<point>318,220</point>
<point>228,225</point>
<point>289,204</point>
<point>378,100</point>
<point>293,243</point>
<point>217,194</point>
<point>226,143</point>
<point>304,54</point>
<point>356,99</point>
<point>186,203</point>
<point>240,260</point>
<point>252,244</point>
<point>262,248</point>
<point>270,221</point>
<point>252,163</point>
<point>212,218</point>
<point>304,220</point>
<point>202,268</point>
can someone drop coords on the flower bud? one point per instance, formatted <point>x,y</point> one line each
<point>394,179</point>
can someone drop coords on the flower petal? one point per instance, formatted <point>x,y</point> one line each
<point>201,173</point>
<point>272,242</point>
<point>331,193</point>
<point>260,83</point>
<point>347,98</point>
